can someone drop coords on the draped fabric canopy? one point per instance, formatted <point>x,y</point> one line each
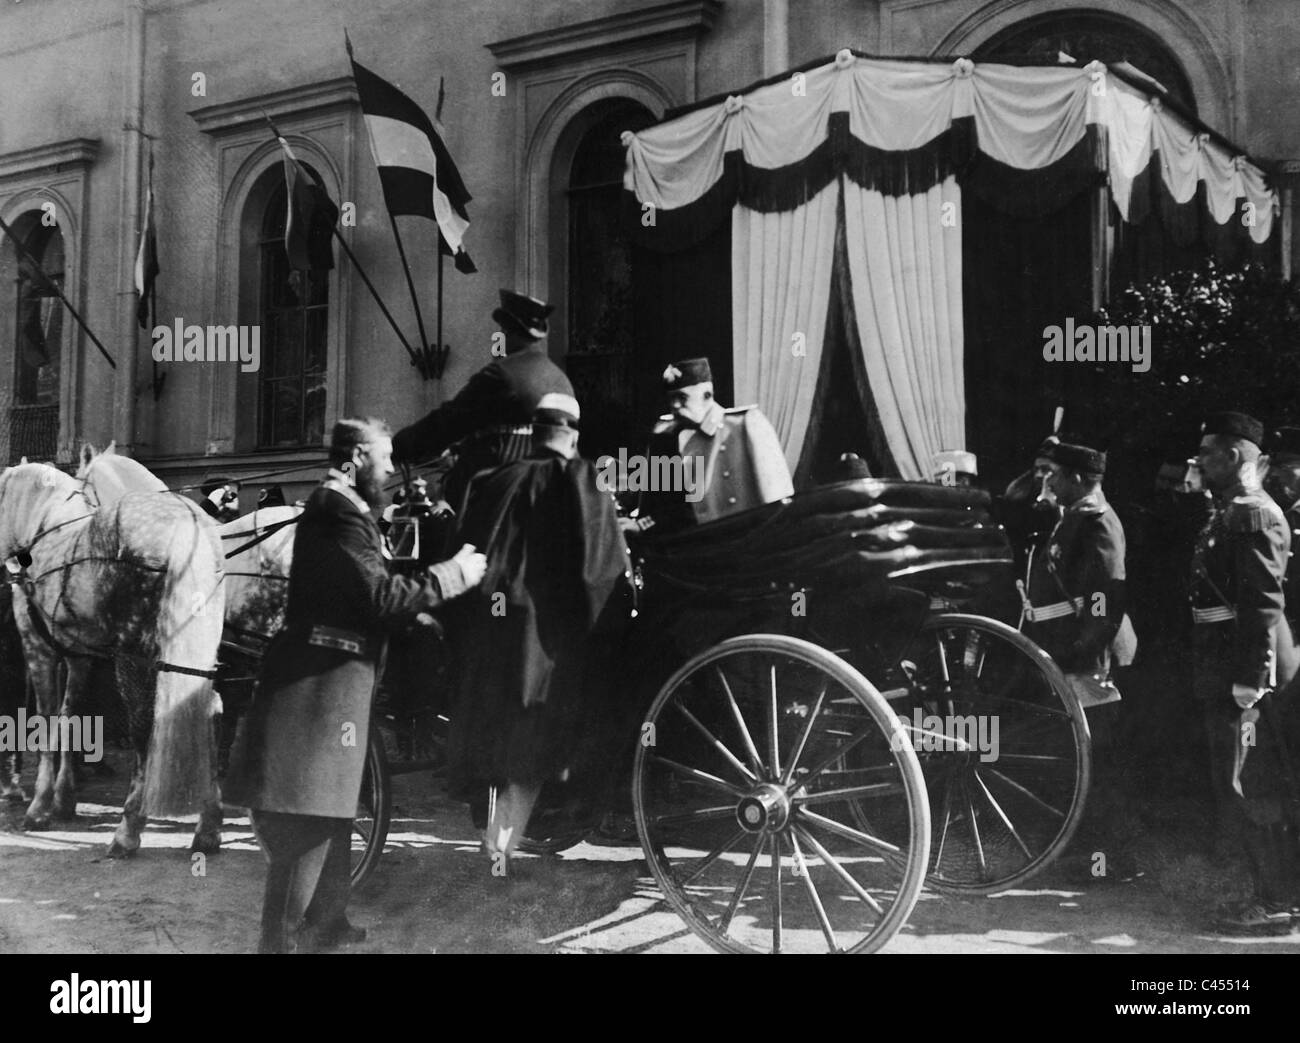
<point>888,147</point>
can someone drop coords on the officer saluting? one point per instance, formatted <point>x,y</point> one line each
<point>493,412</point>
<point>738,458</point>
<point>1242,649</point>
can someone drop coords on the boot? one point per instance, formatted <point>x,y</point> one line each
<point>11,787</point>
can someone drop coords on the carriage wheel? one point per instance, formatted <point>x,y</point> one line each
<point>374,809</point>
<point>743,798</point>
<point>1008,803</point>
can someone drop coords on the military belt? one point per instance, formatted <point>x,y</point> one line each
<point>339,639</point>
<point>1214,614</point>
<point>1043,613</point>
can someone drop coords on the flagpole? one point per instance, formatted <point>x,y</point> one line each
<point>440,350</point>
<point>422,363</point>
<point>375,293</point>
<point>158,378</point>
<point>22,249</point>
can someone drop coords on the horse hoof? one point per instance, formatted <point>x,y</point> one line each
<point>35,824</point>
<point>206,845</point>
<point>119,850</point>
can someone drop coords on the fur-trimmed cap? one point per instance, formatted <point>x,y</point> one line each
<point>687,373</point>
<point>1234,425</point>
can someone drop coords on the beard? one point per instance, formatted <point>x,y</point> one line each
<point>370,488</point>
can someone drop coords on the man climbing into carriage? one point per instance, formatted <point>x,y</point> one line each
<point>298,761</point>
<point>490,416</point>
<point>541,638</point>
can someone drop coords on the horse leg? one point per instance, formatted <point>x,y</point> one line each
<point>207,835</point>
<point>135,682</point>
<point>42,673</point>
<point>65,786</point>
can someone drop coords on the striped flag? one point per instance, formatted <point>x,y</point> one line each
<point>310,216</point>
<point>146,257</point>
<point>415,168</point>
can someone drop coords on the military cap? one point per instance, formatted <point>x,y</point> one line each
<point>1044,449</point>
<point>687,373</point>
<point>1234,425</point>
<point>955,461</point>
<point>525,314</point>
<point>1081,458</point>
<point>1284,443</point>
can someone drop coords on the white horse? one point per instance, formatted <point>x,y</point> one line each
<point>138,581</point>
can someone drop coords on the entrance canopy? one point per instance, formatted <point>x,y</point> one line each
<point>851,175</point>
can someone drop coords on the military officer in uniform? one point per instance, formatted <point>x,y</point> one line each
<point>298,759</point>
<point>1283,484</point>
<point>1242,649</point>
<point>736,461</point>
<point>493,412</point>
<point>1075,608</point>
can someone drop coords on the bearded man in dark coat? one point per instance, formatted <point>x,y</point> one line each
<point>541,636</point>
<point>298,759</point>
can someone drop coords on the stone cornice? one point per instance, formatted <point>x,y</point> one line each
<point>54,156</point>
<point>230,116</point>
<point>680,19</point>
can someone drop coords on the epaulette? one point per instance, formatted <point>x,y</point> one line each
<point>1246,514</point>
<point>740,409</point>
<point>664,424</point>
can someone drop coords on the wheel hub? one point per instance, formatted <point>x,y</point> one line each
<point>766,807</point>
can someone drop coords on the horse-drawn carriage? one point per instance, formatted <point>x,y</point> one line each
<point>816,733</point>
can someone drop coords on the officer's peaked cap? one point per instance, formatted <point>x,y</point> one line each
<point>524,314</point>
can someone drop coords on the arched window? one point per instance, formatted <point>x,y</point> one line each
<point>598,301</point>
<point>38,342</point>
<point>294,313</point>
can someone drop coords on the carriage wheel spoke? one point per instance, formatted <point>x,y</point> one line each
<point>751,751</point>
<point>975,832</point>
<point>772,733</point>
<point>1033,758</point>
<point>1006,821</point>
<point>776,894</point>
<point>831,941</point>
<point>837,754</point>
<point>840,871</point>
<point>874,844</point>
<point>803,738</point>
<point>702,777</point>
<point>947,819</point>
<point>698,815</point>
<point>713,856</point>
<point>874,789</point>
<point>716,743</point>
<point>1024,792</point>
<point>737,896</point>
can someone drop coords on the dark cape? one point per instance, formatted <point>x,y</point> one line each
<point>540,640</point>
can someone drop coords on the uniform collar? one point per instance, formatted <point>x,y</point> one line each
<point>341,483</point>
<point>711,423</point>
<point>1092,503</point>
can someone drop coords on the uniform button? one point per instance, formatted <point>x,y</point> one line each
<point>726,474</point>
<point>731,499</point>
<point>722,448</point>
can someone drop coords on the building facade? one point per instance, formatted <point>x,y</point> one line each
<point>537,95</point>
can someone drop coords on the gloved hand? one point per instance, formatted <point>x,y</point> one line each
<point>1246,696</point>
<point>472,564</point>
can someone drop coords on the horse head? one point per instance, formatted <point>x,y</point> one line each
<point>106,477</point>
<point>32,496</point>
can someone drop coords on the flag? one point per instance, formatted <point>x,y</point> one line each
<point>146,257</point>
<point>310,216</point>
<point>416,170</point>
<point>34,318</point>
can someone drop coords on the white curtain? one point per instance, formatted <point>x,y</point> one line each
<point>780,290</point>
<point>905,269</point>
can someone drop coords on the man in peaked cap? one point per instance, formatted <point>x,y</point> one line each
<point>1283,484</point>
<point>1075,608</point>
<point>955,467</point>
<point>1242,650</point>
<point>492,415</point>
<point>738,459</point>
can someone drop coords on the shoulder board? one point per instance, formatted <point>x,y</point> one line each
<point>741,409</point>
<point>1246,514</point>
<point>664,424</point>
